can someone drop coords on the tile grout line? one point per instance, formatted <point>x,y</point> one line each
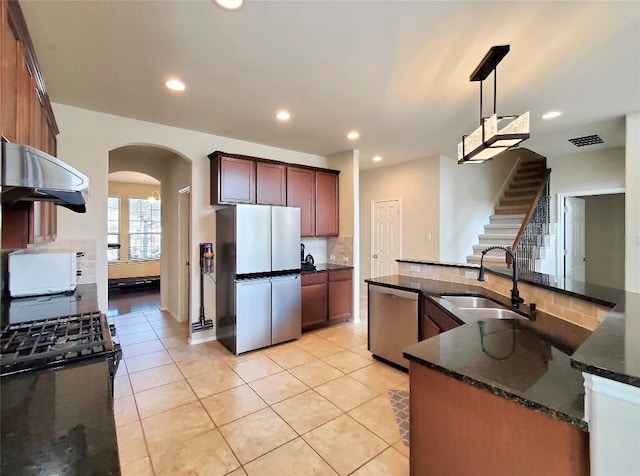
<point>301,436</point>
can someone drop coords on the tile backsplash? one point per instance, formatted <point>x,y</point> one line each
<point>317,247</point>
<point>86,263</point>
<point>340,250</point>
<point>577,311</point>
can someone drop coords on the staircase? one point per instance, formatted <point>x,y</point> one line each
<point>508,216</point>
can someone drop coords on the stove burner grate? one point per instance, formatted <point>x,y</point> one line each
<point>50,341</point>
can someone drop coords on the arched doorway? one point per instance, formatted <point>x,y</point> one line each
<point>172,174</point>
<point>134,225</point>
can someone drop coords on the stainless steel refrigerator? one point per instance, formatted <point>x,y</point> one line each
<point>257,276</point>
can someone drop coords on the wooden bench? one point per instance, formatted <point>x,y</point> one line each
<point>134,284</point>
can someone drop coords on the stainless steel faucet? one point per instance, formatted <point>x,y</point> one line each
<point>516,300</point>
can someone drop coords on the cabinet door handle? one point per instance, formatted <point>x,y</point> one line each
<point>375,256</point>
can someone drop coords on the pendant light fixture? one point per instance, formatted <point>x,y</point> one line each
<point>487,141</point>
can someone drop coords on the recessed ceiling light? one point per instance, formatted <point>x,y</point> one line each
<point>229,4</point>
<point>551,115</point>
<point>175,85</point>
<point>283,115</point>
<point>377,158</point>
<point>353,135</point>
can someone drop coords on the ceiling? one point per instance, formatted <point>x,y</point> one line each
<point>398,72</point>
<point>128,176</point>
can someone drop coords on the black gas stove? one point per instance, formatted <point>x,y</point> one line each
<point>56,341</point>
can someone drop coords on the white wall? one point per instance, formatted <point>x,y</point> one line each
<point>584,172</point>
<point>85,139</point>
<point>416,183</point>
<point>349,165</point>
<point>468,196</point>
<point>632,203</point>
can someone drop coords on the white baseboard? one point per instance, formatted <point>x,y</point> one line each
<point>202,337</point>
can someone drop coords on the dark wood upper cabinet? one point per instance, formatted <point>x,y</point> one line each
<point>233,180</point>
<point>26,117</point>
<point>327,215</point>
<point>301,193</point>
<point>243,179</point>
<point>9,69</point>
<point>271,184</point>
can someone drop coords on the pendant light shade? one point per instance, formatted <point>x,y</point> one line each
<point>496,133</point>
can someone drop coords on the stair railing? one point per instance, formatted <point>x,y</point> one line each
<point>534,226</point>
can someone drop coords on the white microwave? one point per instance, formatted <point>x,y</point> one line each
<point>38,272</point>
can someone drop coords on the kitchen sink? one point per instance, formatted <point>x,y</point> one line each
<point>472,302</point>
<point>482,307</point>
<point>486,313</point>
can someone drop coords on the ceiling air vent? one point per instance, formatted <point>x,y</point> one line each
<point>587,140</point>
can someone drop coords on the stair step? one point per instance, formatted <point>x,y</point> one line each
<point>518,191</point>
<point>512,216</point>
<point>475,259</point>
<point>503,229</point>
<point>525,182</point>
<point>531,166</point>
<point>478,249</point>
<point>511,209</point>
<point>524,174</point>
<point>505,239</point>
<point>517,200</point>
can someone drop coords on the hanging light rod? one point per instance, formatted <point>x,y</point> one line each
<point>489,62</point>
<point>486,141</point>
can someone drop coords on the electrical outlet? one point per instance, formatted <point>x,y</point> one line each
<point>428,236</point>
<point>415,268</point>
<point>470,274</point>
<point>332,257</point>
<point>345,259</point>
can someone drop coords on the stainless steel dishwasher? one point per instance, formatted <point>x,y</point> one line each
<point>393,322</point>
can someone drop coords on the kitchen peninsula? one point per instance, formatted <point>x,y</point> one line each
<point>511,391</point>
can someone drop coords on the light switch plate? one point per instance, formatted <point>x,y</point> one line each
<point>345,259</point>
<point>415,268</point>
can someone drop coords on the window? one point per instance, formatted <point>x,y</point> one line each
<point>113,227</point>
<point>144,229</point>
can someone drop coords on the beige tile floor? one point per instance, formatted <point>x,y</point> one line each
<point>315,406</point>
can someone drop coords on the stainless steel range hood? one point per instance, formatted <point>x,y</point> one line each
<point>29,174</point>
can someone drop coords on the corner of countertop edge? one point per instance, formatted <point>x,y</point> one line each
<point>500,392</point>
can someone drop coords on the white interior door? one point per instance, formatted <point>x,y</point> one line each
<point>386,239</point>
<point>574,231</point>
<point>184,247</point>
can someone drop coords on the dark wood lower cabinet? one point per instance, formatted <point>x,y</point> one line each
<point>340,295</point>
<point>436,320</point>
<point>314,306</point>
<point>459,429</point>
<point>326,298</point>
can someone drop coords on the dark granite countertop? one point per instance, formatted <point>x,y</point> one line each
<point>59,421</point>
<point>522,361</point>
<point>325,267</point>
<point>83,300</point>
<point>613,349</point>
